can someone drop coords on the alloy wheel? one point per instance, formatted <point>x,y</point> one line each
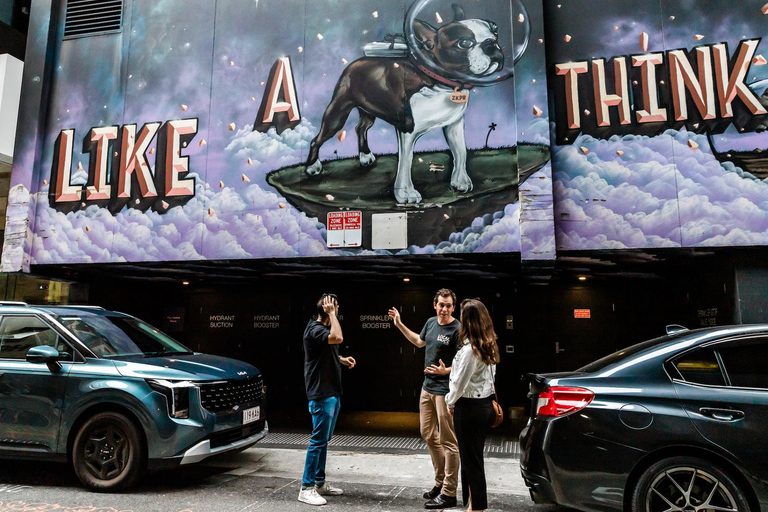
<point>689,489</point>
<point>106,452</point>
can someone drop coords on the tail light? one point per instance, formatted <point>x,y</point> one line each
<point>559,401</point>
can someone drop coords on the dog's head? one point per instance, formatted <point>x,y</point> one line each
<point>463,47</point>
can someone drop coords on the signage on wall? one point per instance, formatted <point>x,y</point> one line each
<point>266,321</point>
<point>118,171</point>
<point>711,75</point>
<point>345,229</point>
<point>173,319</point>
<point>375,322</point>
<point>582,313</point>
<point>221,321</point>
<point>707,317</point>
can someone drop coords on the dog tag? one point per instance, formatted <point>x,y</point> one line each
<point>458,96</point>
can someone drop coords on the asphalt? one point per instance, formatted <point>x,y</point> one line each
<point>265,479</point>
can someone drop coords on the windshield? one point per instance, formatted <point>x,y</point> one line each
<point>117,336</point>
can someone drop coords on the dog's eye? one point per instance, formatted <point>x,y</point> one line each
<point>465,44</point>
<point>494,28</point>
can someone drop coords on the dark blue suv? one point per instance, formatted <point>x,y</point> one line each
<point>115,396</point>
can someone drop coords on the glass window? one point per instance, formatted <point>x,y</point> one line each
<point>701,367</point>
<point>619,356</point>
<point>745,363</point>
<point>18,334</point>
<point>121,336</point>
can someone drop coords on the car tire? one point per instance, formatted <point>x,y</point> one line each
<point>109,454</point>
<point>684,483</point>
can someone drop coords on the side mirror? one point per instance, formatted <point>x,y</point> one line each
<point>45,355</point>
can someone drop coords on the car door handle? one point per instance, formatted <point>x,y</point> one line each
<point>722,414</point>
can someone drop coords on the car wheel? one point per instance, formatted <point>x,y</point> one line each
<point>108,454</point>
<point>687,484</point>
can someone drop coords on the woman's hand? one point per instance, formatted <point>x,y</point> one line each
<point>437,370</point>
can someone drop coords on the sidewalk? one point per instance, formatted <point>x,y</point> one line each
<point>352,467</point>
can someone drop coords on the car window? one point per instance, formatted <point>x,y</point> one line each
<point>700,367</point>
<point>18,334</point>
<point>121,336</point>
<point>745,363</point>
<point>620,355</point>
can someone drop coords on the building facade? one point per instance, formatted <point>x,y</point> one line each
<point>213,165</point>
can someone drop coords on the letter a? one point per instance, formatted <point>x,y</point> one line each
<point>279,106</point>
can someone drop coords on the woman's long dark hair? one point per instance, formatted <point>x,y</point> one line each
<point>477,327</point>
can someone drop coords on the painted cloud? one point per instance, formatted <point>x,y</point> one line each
<point>636,192</point>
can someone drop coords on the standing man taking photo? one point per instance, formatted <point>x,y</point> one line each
<point>440,336</point>
<point>322,377</point>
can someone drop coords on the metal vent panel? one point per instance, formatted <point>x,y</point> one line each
<point>90,17</point>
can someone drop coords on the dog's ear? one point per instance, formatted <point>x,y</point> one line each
<point>425,34</point>
<point>458,13</point>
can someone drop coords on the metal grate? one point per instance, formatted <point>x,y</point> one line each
<point>89,17</point>
<point>225,395</point>
<point>494,445</point>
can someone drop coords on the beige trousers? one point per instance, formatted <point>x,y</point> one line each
<point>437,431</point>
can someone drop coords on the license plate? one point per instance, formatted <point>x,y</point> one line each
<point>251,415</point>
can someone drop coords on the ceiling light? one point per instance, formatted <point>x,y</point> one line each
<point>582,278</point>
<point>406,279</point>
<point>185,283</point>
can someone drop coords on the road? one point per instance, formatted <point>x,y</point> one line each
<point>263,479</point>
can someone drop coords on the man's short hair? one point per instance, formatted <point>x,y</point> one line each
<point>320,311</point>
<point>445,292</point>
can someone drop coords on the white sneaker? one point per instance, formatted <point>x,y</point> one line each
<point>327,489</point>
<point>310,497</point>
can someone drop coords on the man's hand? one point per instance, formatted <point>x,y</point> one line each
<point>394,314</point>
<point>437,370</point>
<point>349,362</point>
<point>329,306</point>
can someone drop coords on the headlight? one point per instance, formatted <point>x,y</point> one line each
<point>176,393</point>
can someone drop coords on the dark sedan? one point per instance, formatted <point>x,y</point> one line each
<point>674,424</point>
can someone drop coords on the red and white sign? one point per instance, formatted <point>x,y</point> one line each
<point>345,229</point>
<point>582,313</point>
<point>335,229</point>
<point>353,229</point>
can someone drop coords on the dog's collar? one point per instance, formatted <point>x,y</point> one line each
<point>442,80</point>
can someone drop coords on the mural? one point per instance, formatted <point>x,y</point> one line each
<point>217,130</point>
<point>659,123</point>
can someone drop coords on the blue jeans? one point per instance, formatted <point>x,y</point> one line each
<point>324,413</point>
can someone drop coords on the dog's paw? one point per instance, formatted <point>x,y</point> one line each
<point>367,159</point>
<point>462,183</point>
<point>407,196</point>
<point>314,169</point>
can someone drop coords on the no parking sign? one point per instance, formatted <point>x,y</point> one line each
<point>345,229</point>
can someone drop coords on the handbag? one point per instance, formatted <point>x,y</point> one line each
<point>497,409</point>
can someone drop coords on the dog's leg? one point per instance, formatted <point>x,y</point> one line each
<point>405,193</point>
<point>333,120</point>
<point>454,135</point>
<point>366,121</point>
